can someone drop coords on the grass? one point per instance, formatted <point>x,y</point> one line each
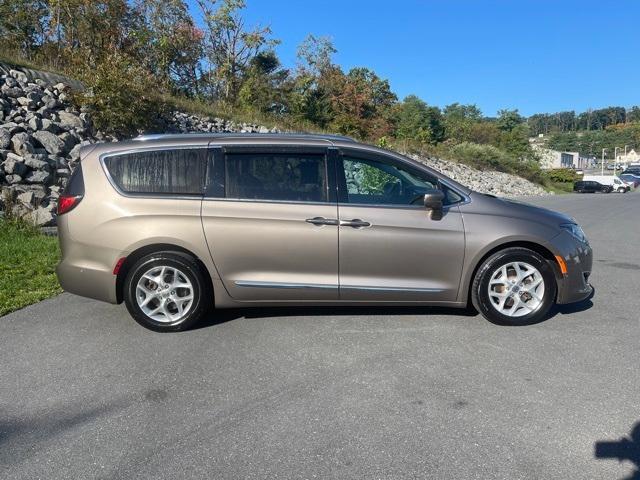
<point>27,263</point>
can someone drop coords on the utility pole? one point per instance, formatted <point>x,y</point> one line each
<point>602,164</point>
<point>626,160</point>
<point>615,159</point>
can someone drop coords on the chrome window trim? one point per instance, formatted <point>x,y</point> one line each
<point>155,196</point>
<point>255,200</point>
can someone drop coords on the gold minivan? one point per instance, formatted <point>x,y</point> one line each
<point>176,224</point>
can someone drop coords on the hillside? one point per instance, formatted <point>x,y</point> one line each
<point>41,133</point>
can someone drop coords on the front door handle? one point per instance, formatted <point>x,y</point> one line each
<point>322,221</point>
<point>355,223</point>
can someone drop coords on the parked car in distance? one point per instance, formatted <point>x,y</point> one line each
<point>630,179</point>
<point>175,224</point>
<point>612,180</point>
<point>590,186</point>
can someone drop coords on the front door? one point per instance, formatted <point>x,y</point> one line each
<point>271,224</point>
<point>390,248</point>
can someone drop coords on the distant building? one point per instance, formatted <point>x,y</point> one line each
<point>550,159</point>
<point>630,157</point>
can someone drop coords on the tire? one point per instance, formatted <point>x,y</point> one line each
<point>528,310</point>
<point>622,190</point>
<point>170,301</point>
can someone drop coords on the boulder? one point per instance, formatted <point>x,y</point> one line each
<point>40,217</point>
<point>22,143</point>
<point>13,167</point>
<point>5,138</point>
<point>50,142</point>
<point>38,176</point>
<point>70,120</point>
<point>13,179</point>
<point>36,162</point>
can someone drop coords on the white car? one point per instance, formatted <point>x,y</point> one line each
<point>617,184</point>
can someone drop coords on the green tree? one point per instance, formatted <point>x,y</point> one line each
<point>459,120</point>
<point>508,120</point>
<point>122,96</point>
<point>229,45</point>
<point>22,24</point>
<point>418,121</point>
<point>263,86</point>
<point>169,43</point>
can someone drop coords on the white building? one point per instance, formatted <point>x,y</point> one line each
<point>630,157</point>
<point>550,159</point>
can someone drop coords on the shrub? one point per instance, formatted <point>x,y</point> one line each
<point>488,157</point>
<point>122,96</point>
<point>561,175</point>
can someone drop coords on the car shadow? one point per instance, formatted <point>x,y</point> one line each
<point>625,449</point>
<point>218,317</point>
<point>570,308</point>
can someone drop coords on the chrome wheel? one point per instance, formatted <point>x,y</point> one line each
<point>164,294</point>
<point>516,289</point>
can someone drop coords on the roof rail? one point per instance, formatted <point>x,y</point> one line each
<point>177,136</point>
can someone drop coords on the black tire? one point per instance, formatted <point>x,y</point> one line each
<point>188,266</point>
<point>479,289</point>
<point>622,190</point>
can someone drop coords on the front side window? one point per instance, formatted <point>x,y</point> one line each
<point>278,176</point>
<point>178,171</point>
<point>374,182</point>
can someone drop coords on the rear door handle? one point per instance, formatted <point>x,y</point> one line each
<point>355,223</point>
<point>322,221</point>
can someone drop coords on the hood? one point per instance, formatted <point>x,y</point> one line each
<point>517,209</point>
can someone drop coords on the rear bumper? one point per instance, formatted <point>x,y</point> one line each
<point>87,282</point>
<point>574,286</point>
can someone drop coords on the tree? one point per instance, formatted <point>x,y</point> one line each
<point>86,30</point>
<point>22,24</point>
<point>508,120</point>
<point>229,46</point>
<point>361,103</point>
<point>459,120</point>
<point>263,85</point>
<point>315,54</point>
<point>169,43</point>
<point>418,121</point>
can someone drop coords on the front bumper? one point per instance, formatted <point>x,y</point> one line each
<point>574,286</point>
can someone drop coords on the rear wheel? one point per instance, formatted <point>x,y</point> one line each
<point>515,286</point>
<point>166,292</point>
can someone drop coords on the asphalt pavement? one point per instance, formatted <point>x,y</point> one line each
<point>335,393</point>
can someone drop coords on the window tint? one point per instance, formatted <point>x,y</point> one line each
<point>373,182</point>
<point>75,187</point>
<point>179,171</point>
<point>293,177</point>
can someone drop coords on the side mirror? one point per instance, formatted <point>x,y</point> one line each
<point>433,202</point>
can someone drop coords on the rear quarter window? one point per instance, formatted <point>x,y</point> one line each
<point>164,172</point>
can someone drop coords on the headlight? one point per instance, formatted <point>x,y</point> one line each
<point>575,230</point>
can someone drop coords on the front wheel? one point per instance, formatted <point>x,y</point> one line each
<point>166,292</point>
<point>515,286</point>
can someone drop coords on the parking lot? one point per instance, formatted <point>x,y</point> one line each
<point>334,393</point>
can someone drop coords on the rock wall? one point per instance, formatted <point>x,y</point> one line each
<point>41,134</point>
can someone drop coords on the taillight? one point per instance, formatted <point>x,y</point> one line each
<point>66,203</point>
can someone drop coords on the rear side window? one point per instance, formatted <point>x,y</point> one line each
<point>75,187</point>
<point>178,171</point>
<point>281,176</point>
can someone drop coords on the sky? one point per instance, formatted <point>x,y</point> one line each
<point>536,56</point>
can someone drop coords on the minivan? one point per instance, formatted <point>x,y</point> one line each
<point>177,225</point>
